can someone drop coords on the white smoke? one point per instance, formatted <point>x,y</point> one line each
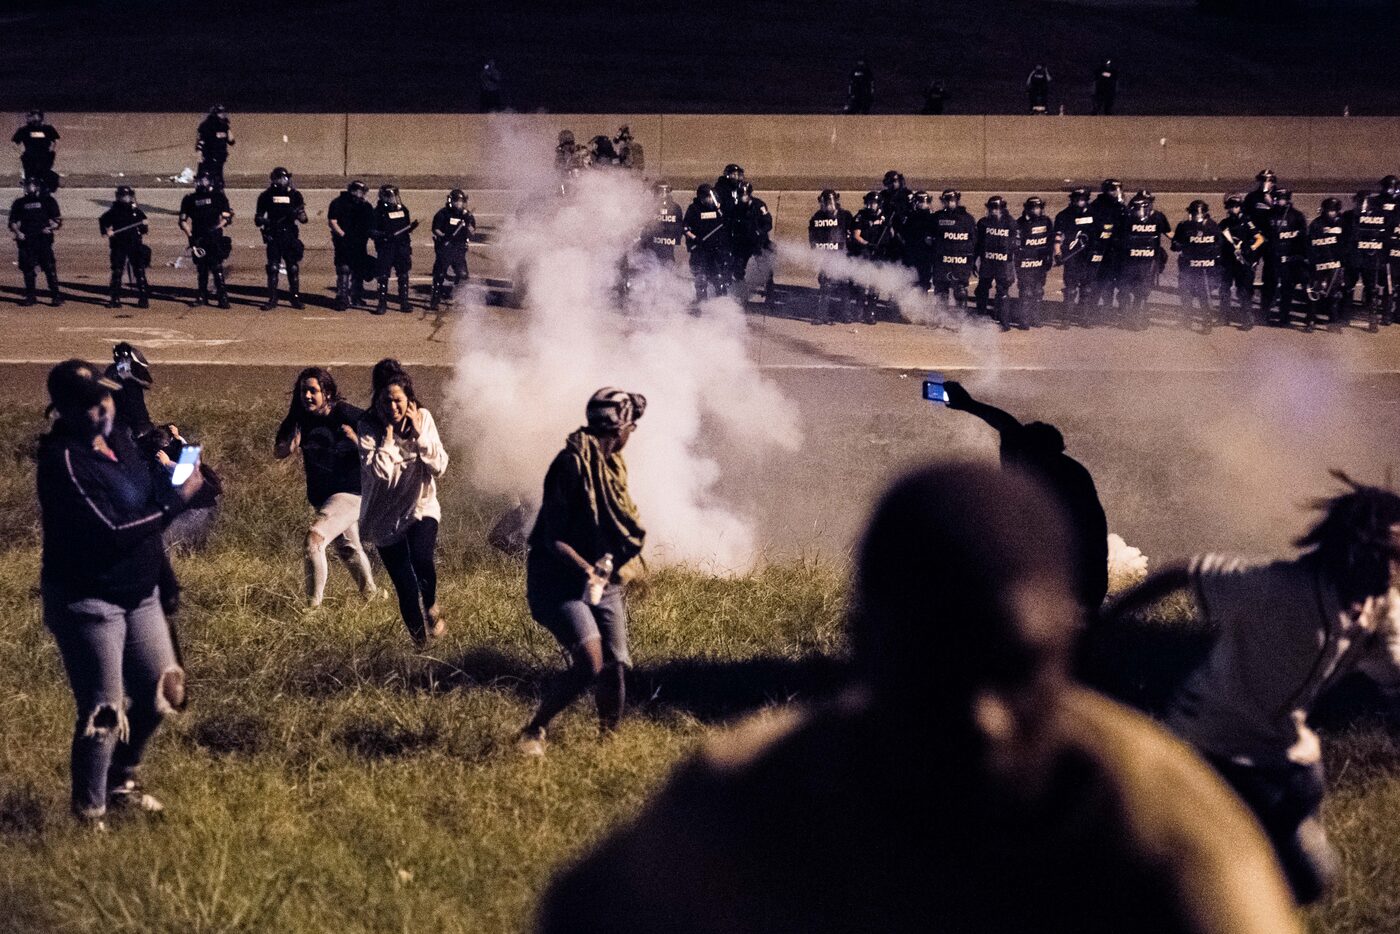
<point>523,376</point>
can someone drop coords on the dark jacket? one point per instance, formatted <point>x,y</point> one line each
<point>102,519</point>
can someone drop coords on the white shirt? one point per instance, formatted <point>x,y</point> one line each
<point>398,479</point>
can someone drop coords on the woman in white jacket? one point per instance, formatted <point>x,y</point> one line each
<point>401,457</point>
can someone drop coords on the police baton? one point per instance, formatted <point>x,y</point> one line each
<point>113,233</point>
<point>403,230</point>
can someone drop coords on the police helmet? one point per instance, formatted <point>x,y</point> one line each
<point>31,184</point>
<point>1145,195</point>
<point>566,137</point>
<point>1079,194</point>
<point>1035,205</point>
<point>1234,201</point>
<point>126,191</point>
<point>1198,210</point>
<point>704,192</point>
<point>455,195</point>
<point>1390,184</point>
<point>1283,196</point>
<point>872,199</point>
<point>733,170</point>
<point>203,179</point>
<point>624,132</point>
<point>662,188</point>
<point>1111,186</point>
<point>388,192</point>
<point>951,197</point>
<point>894,179</point>
<point>1140,207</point>
<point>923,200</point>
<point>1266,175</point>
<point>357,187</point>
<point>35,116</point>
<point>280,174</point>
<point>996,203</point>
<point>1331,205</point>
<point>1366,200</point>
<point>136,362</point>
<point>745,193</point>
<point>1360,197</point>
<point>218,110</point>
<point>828,199</point>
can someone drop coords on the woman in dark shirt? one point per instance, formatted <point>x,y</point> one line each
<point>587,518</point>
<point>322,426</point>
<point>103,509</point>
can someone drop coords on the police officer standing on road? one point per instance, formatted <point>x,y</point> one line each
<point>1199,242</point>
<point>896,203</point>
<point>1074,234</point>
<point>828,230</point>
<point>34,216</point>
<point>726,187</point>
<point>1109,213</point>
<point>1392,268</point>
<point>1105,87</point>
<point>280,209</point>
<point>1242,242</point>
<point>1259,203</point>
<point>1285,259</point>
<point>392,232</point>
<point>750,230</point>
<point>204,213</point>
<point>707,238</point>
<point>1036,239</point>
<point>453,229</point>
<point>955,247</point>
<point>860,91</point>
<point>38,144</point>
<point>1038,88</point>
<point>994,254</point>
<point>212,140</point>
<point>1366,254</point>
<point>1326,251</point>
<point>870,235</point>
<point>1138,247</point>
<point>919,238</point>
<point>123,225</point>
<point>666,228</point>
<point>350,218</point>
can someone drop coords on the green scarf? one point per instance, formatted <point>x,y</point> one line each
<point>605,483</point>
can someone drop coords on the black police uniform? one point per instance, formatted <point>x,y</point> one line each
<point>1139,247</point>
<point>353,266</point>
<point>1259,207</point>
<point>1285,263</point>
<point>872,227</point>
<point>1366,255</point>
<point>1392,269</point>
<point>726,191</point>
<point>1326,254</point>
<point>1237,259</point>
<point>1105,88</point>
<point>1038,90</point>
<point>994,251</point>
<point>37,156</point>
<point>860,92</point>
<point>126,248</point>
<point>1074,234</point>
<point>1108,213</point>
<point>392,233</point>
<point>279,211</point>
<point>34,217</point>
<point>828,231</point>
<point>1036,236</point>
<point>209,246</point>
<point>918,235</point>
<point>665,231</point>
<point>954,248</point>
<point>212,141</point>
<point>452,234</point>
<point>750,233</point>
<point>707,239</point>
<point>1198,266</point>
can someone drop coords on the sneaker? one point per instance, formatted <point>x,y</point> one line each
<point>129,796</point>
<point>530,745</point>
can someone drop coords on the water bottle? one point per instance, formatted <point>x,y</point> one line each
<point>602,573</point>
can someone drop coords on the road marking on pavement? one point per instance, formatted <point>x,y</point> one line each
<point>157,338</point>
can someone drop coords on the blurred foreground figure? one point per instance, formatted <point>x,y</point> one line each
<point>961,784</point>
<point>1288,630</point>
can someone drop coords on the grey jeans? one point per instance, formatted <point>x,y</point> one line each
<point>337,524</point>
<point>117,661</point>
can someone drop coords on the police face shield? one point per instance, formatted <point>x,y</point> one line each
<point>359,190</point>
<point>1035,209</point>
<point>126,196</point>
<point>34,117</point>
<point>996,208</point>
<point>203,182</point>
<point>827,203</point>
<point>282,180</point>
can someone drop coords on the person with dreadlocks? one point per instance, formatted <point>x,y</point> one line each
<point>1288,629</point>
<point>586,543</point>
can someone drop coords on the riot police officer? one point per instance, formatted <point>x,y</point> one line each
<point>1326,253</point>
<point>1036,240</point>
<point>1108,212</point>
<point>1199,242</point>
<point>453,229</point>
<point>1389,188</point>
<point>919,236</point>
<point>123,225</point>
<point>213,137</point>
<point>955,246</point>
<point>1074,232</point>
<point>1366,234</point>
<point>34,216</point>
<point>1259,203</point>
<point>1038,88</point>
<point>1285,259</point>
<point>204,213</point>
<point>1105,87</point>
<point>1392,268</point>
<point>1238,256</point>
<point>350,218</point>
<point>1138,248</point>
<point>392,232</point>
<point>707,238</point>
<point>994,257</point>
<point>279,210</point>
<point>828,230</point>
<point>726,187</point>
<point>870,236</point>
<point>38,144</point>
<point>665,230</point>
<point>750,230</point>
<point>860,90</point>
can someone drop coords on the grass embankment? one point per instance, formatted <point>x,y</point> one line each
<point>328,778</point>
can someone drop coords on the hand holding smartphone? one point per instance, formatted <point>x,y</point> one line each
<point>186,465</point>
<point>934,390</point>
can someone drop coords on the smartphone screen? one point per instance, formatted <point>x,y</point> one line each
<point>184,467</point>
<point>934,391</point>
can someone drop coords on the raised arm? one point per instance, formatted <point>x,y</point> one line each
<point>961,400</point>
